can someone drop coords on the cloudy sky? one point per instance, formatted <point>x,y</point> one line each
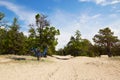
<point>88,16</point>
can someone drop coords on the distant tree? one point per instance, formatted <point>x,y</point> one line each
<point>61,52</point>
<point>74,45</point>
<point>87,48</point>
<point>78,46</point>
<point>105,40</point>
<point>116,49</point>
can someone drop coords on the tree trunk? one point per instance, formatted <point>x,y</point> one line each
<point>109,50</point>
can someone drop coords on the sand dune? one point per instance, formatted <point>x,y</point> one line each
<point>79,68</point>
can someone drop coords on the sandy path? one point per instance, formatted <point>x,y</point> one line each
<point>81,68</point>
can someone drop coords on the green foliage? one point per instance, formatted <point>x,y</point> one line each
<point>44,35</point>
<point>3,23</point>
<point>2,40</point>
<point>16,42</point>
<point>78,46</point>
<point>61,52</point>
<point>116,49</point>
<point>31,41</point>
<point>12,41</point>
<point>1,15</point>
<point>49,39</point>
<point>105,41</point>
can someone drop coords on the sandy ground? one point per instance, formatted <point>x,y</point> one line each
<point>79,68</point>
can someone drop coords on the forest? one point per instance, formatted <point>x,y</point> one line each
<point>42,35</point>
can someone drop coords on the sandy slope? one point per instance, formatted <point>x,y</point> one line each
<point>80,68</point>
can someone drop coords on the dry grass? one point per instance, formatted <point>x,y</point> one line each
<point>20,59</point>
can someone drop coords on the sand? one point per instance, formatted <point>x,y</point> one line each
<point>51,68</point>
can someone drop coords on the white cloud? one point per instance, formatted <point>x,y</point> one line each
<point>64,22</point>
<point>69,23</point>
<point>27,16</point>
<point>2,27</point>
<point>26,33</point>
<point>115,27</point>
<point>88,25</point>
<point>102,2</point>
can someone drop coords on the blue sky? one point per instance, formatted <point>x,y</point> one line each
<point>88,16</point>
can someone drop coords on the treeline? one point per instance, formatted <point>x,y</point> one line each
<point>105,43</point>
<point>41,35</point>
